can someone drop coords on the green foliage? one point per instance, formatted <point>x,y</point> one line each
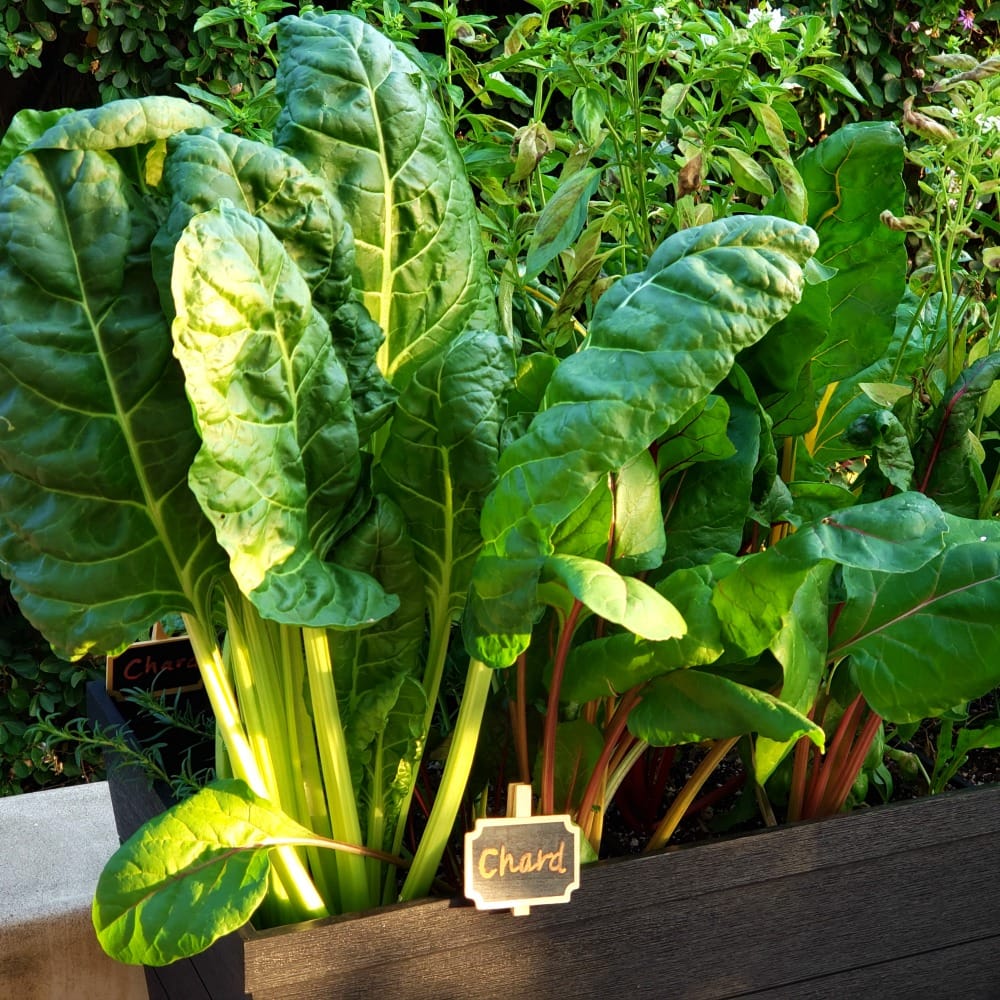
<point>35,685</point>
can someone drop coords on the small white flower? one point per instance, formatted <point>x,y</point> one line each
<point>662,13</point>
<point>774,19</point>
<point>708,40</point>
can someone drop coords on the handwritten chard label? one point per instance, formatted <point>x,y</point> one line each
<point>519,862</point>
<point>161,666</point>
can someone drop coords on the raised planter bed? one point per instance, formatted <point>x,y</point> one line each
<point>887,901</point>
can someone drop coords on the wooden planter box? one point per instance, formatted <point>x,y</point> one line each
<point>893,901</point>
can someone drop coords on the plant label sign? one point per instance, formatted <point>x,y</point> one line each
<point>517,862</point>
<point>160,666</point>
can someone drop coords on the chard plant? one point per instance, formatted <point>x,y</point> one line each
<point>816,605</point>
<point>223,399</point>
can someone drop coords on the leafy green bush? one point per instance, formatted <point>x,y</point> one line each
<point>36,685</point>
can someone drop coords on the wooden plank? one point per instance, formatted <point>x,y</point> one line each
<point>968,971</point>
<point>894,894</point>
<point>709,921</point>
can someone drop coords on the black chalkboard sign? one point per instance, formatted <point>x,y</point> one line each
<point>161,666</point>
<point>513,863</point>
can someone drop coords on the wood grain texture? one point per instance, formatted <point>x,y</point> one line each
<point>893,901</point>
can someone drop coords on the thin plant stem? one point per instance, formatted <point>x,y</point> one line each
<point>457,768</point>
<point>689,793</point>
<point>548,779</point>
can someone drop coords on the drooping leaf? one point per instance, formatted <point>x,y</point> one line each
<point>562,220</point>
<point>925,641</point>
<point>659,343</point>
<point>688,706</point>
<point>100,535</point>
<point>124,123</point>
<point>393,165</point>
<point>623,600</point>
<point>613,664</point>
<point>279,457</point>
<point>153,907</point>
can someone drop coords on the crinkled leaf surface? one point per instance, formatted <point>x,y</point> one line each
<point>190,875</point>
<point>440,459</point>
<point>100,534</point>
<point>124,123</point>
<point>924,641</point>
<point>842,325</point>
<point>659,342</point>
<point>359,113</point>
<point>203,167</point>
<point>687,706</point>
<point>279,458</point>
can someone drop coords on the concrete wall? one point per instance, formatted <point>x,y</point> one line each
<point>53,845</point>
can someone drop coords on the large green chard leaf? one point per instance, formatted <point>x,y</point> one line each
<point>154,906</point>
<point>100,534</point>
<point>279,458</point>
<point>687,706</point>
<point>125,123</point>
<point>895,536</point>
<point>659,342</point>
<point>925,641</point>
<point>202,168</point>
<point>359,113</point>
<point>844,324</point>
<point>440,459</point>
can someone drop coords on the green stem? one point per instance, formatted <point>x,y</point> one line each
<point>441,821</point>
<point>298,897</point>
<point>351,869</point>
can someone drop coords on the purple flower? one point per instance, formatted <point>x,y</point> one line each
<point>966,19</point>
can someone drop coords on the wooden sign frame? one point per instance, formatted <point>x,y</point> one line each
<point>515,847</point>
<point>158,657</point>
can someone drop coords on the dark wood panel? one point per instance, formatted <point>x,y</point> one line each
<point>711,921</point>
<point>968,971</point>
<point>898,898</point>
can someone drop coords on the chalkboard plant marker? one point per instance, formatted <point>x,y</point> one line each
<point>521,861</point>
<point>162,665</point>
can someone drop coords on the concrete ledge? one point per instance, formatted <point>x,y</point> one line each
<point>55,844</point>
